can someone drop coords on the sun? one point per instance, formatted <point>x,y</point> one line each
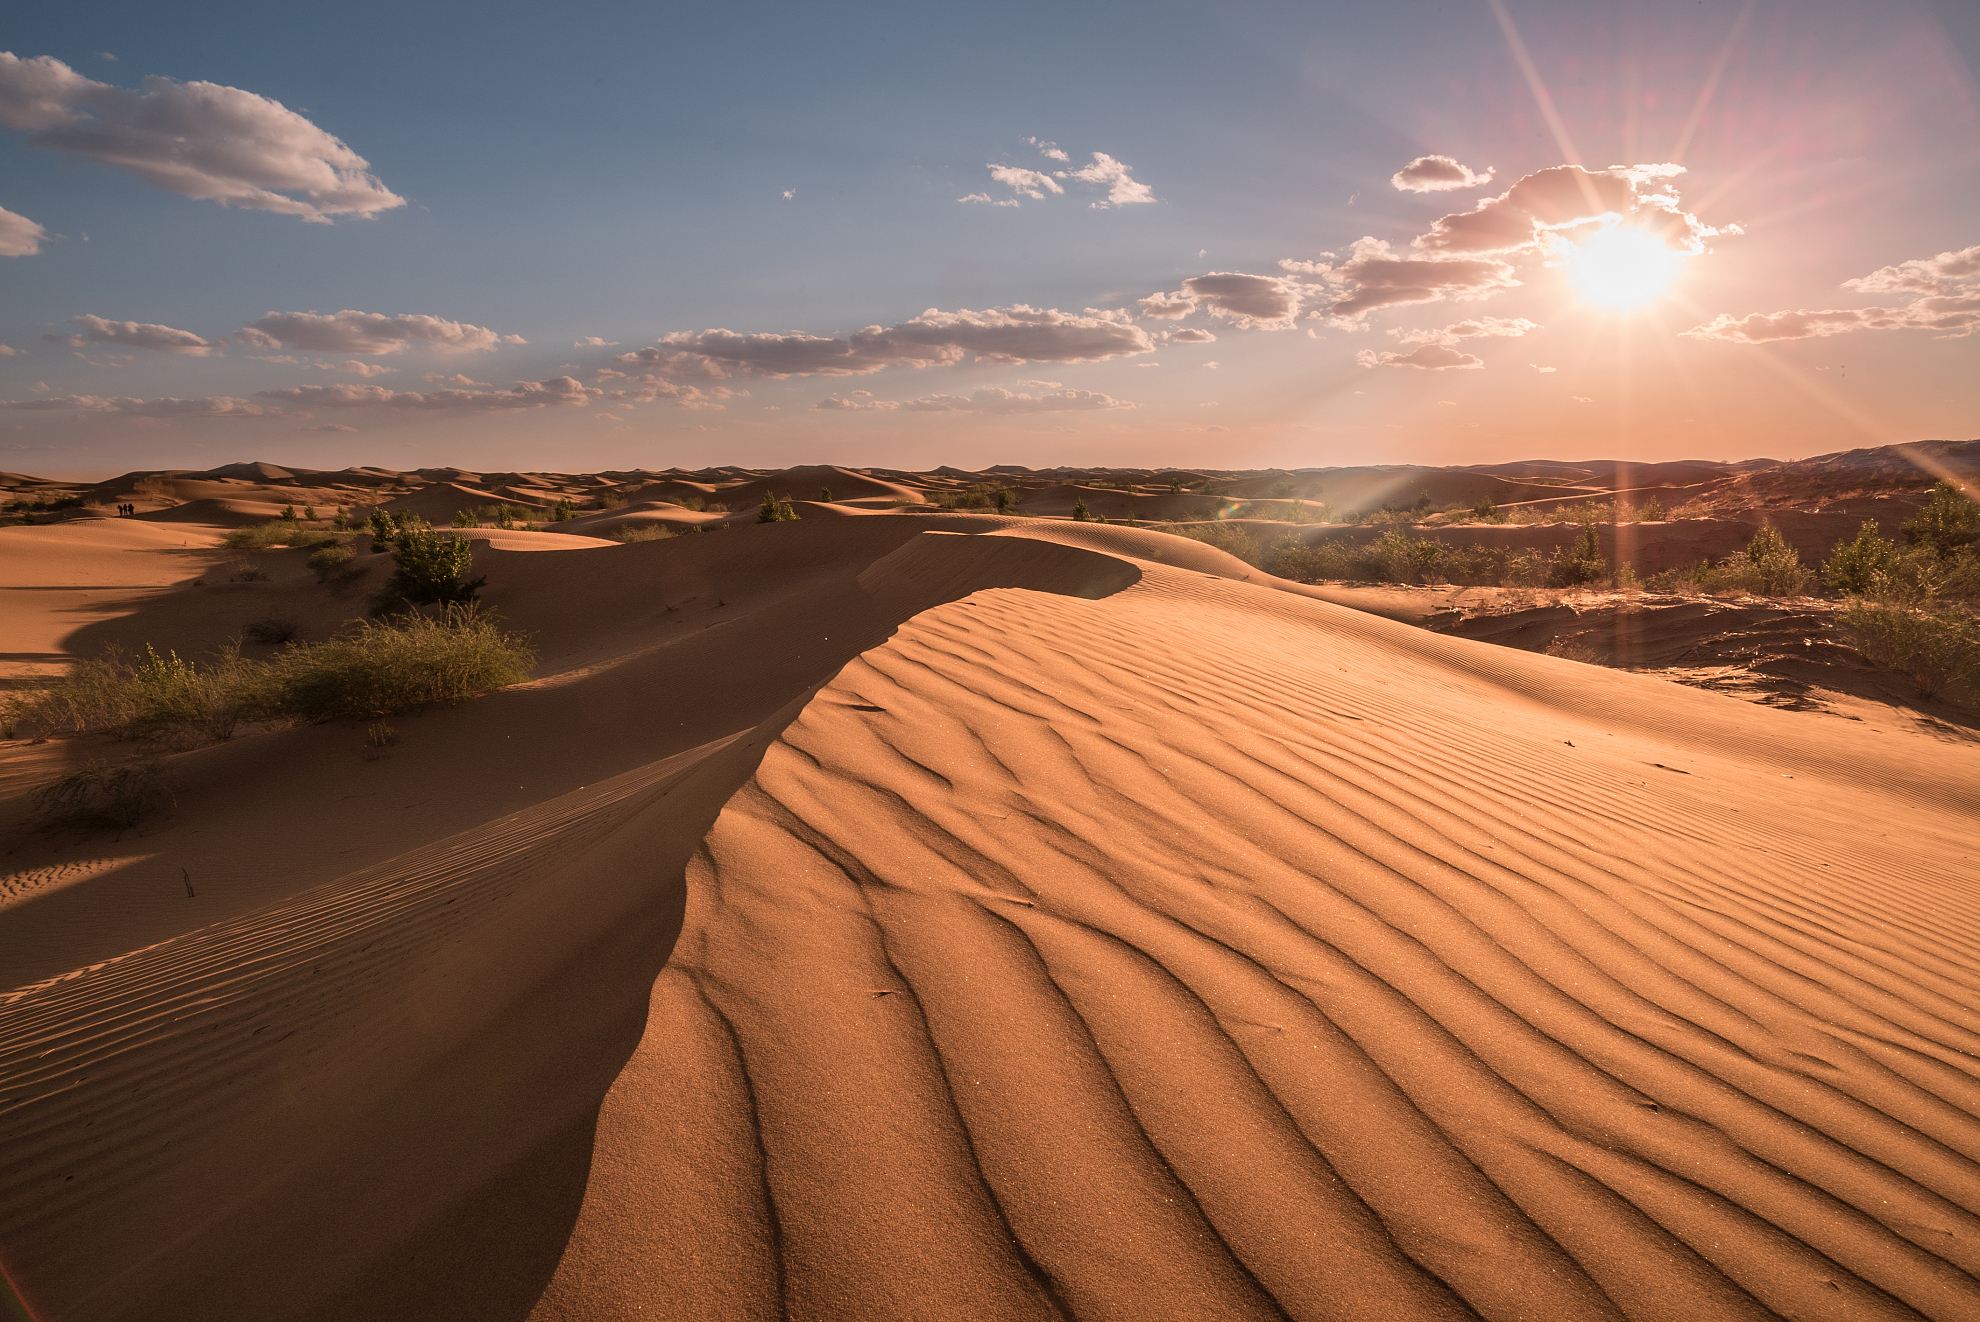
<point>1621,267</point>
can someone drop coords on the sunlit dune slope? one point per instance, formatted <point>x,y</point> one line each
<point>865,919</point>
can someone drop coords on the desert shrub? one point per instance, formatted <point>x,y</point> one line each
<point>1948,524</point>
<point>1006,500</point>
<point>309,512</point>
<point>333,564</point>
<point>1582,563</point>
<point>641,532</point>
<point>430,568</point>
<point>1937,646</point>
<point>565,509</point>
<point>276,532</point>
<point>1080,512</point>
<point>101,796</point>
<point>466,519</point>
<point>1225,537</point>
<point>391,666</point>
<point>1767,567</point>
<point>1860,564</point>
<point>691,501</point>
<point>164,697</point>
<point>776,509</point>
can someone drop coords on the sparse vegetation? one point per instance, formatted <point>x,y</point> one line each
<point>1399,557</point>
<point>1937,645</point>
<point>430,568</point>
<point>379,669</point>
<point>1080,512</point>
<point>1767,567</point>
<point>641,532</point>
<point>273,630</point>
<point>286,531</point>
<point>776,509</point>
<point>1949,523</point>
<point>1235,538</point>
<point>333,564</point>
<point>103,796</point>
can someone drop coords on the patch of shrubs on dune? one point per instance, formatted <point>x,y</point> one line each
<point>379,668</point>
<point>1399,557</point>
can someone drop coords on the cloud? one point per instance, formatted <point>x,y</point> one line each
<point>1019,334</point>
<point>1427,357</point>
<point>200,140</point>
<point>1187,335</point>
<point>343,427</point>
<point>1123,190</point>
<point>1947,302</point>
<point>1564,196</point>
<point>990,399</point>
<point>19,236</point>
<point>1925,275</point>
<point>1472,328</point>
<point>136,335</point>
<point>789,193</point>
<point>9,351</point>
<point>1376,276</point>
<point>1437,174</point>
<point>595,342</point>
<point>1251,302</point>
<point>1543,370</point>
<point>207,406</point>
<point>368,333</point>
<point>1033,184</point>
<point>559,390</point>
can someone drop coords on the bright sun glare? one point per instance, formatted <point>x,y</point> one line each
<point>1621,267</point>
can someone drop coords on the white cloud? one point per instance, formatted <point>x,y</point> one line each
<point>1017,334</point>
<point>595,342</point>
<point>1437,174</point>
<point>1123,190</point>
<point>1946,291</point>
<point>201,140</point>
<point>368,333</point>
<point>990,399</point>
<point>1544,371</point>
<point>1033,184</point>
<point>19,236</point>
<point>988,200</point>
<point>1187,335</point>
<point>1049,150</point>
<point>1472,328</point>
<point>789,193</point>
<point>136,335</point>
<point>1427,357</point>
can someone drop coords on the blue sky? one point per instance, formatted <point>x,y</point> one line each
<point>619,172</point>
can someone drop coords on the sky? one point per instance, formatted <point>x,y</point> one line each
<point>1233,236</point>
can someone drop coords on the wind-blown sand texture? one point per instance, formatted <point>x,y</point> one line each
<point>861,918</point>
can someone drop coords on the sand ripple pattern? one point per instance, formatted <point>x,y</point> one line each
<point>1186,954</point>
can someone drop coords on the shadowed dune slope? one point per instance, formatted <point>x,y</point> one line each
<point>864,920</point>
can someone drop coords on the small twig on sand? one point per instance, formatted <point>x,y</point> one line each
<point>186,877</point>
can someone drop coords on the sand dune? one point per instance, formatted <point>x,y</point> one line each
<point>945,915</point>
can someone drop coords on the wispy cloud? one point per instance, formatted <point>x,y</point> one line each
<point>1112,178</point>
<point>1251,302</point>
<point>368,333</point>
<point>1438,174</point>
<point>201,140</point>
<point>1946,300</point>
<point>135,335</point>
<point>1426,357</point>
<point>990,399</point>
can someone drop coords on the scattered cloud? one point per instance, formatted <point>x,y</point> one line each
<point>595,342</point>
<point>560,390</point>
<point>1472,328</point>
<point>207,406</point>
<point>1119,186</point>
<point>1019,334</point>
<point>1437,174</point>
<point>135,335</point>
<point>368,333</point>
<point>19,236</point>
<point>1186,335</point>
<point>789,193</point>
<point>1376,276</point>
<point>1581,399</point>
<point>200,140</point>
<point>1542,370</point>
<point>990,399</point>
<point>1251,302</point>
<point>1561,197</point>
<point>1946,300</point>
<point>1427,357</point>
<point>9,351</point>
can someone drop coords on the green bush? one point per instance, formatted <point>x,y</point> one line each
<point>1767,567</point>
<point>776,509</point>
<point>1583,562</point>
<point>276,532</point>
<point>1081,513</point>
<point>430,568</point>
<point>333,564</point>
<point>641,532</point>
<point>1938,647</point>
<point>413,660</point>
<point>1400,557</point>
<point>1860,564</point>
<point>1948,524</point>
<point>151,697</point>
<point>1231,537</point>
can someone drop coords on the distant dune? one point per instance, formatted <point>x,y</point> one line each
<point>919,912</point>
